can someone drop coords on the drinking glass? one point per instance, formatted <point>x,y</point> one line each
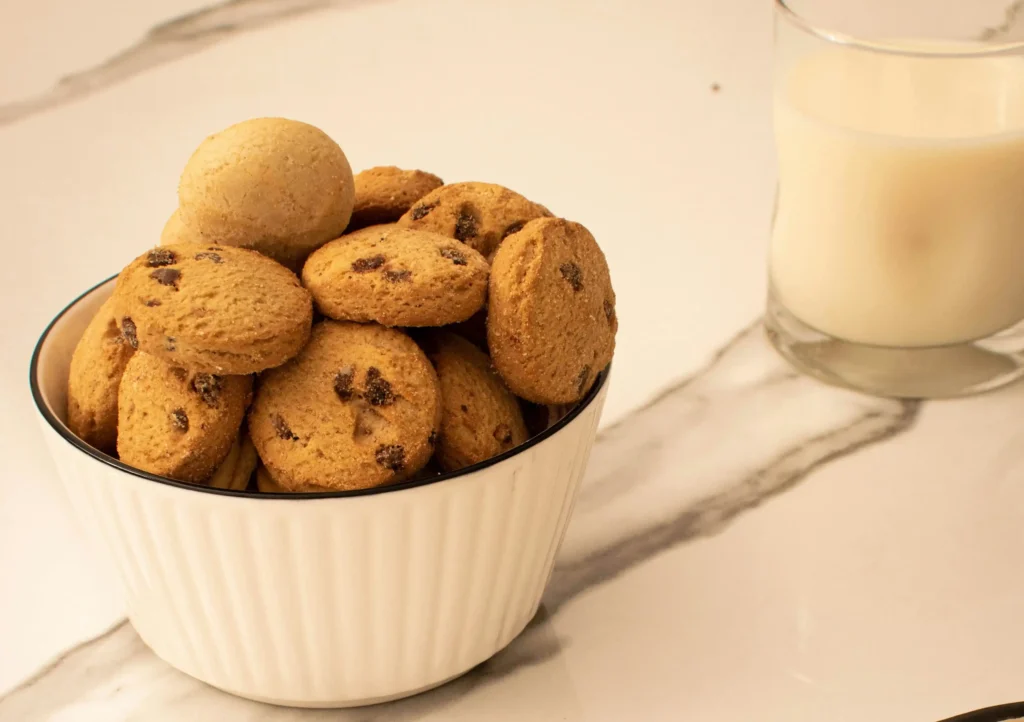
<point>897,251</point>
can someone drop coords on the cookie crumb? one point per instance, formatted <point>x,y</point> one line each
<point>161,257</point>
<point>514,228</point>
<point>343,382</point>
<point>282,428</point>
<point>572,273</point>
<point>378,389</point>
<point>581,380</point>
<point>465,226</point>
<point>397,276</point>
<point>391,456</point>
<point>129,331</point>
<point>503,434</point>
<point>455,256</point>
<point>364,265</point>
<point>166,277</point>
<point>422,210</point>
<point>208,386</point>
<point>715,87</point>
<point>210,256</point>
<point>179,420</point>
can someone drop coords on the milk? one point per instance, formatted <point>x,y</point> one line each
<point>900,214</point>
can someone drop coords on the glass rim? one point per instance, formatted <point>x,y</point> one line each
<point>982,49</point>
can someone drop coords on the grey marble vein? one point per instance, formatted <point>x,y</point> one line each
<point>1007,29</point>
<point>165,43</point>
<point>705,451</point>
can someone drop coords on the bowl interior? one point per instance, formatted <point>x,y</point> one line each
<point>58,343</point>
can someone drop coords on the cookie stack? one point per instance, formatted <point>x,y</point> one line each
<point>445,313</point>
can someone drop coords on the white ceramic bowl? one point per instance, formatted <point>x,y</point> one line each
<point>322,600</point>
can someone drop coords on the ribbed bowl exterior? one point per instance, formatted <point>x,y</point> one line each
<point>334,601</point>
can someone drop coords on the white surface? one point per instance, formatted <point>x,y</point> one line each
<point>885,585</point>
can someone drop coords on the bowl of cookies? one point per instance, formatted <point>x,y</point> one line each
<point>331,428</point>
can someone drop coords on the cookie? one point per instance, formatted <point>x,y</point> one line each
<point>358,408</point>
<point>210,308</point>
<point>177,232</point>
<point>397,277</point>
<point>385,193</point>
<point>178,423</point>
<point>480,215</point>
<point>266,484</point>
<point>551,313</point>
<point>237,468</point>
<point>279,186</point>
<point>480,417</point>
<point>96,367</point>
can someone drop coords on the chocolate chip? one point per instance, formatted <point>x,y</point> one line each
<point>161,257</point>
<point>208,387</point>
<point>378,389</point>
<point>170,343</point>
<point>390,456</point>
<point>514,228</point>
<point>582,379</point>
<point>454,255</point>
<point>503,434</point>
<point>343,383</point>
<point>151,302</point>
<point>397,276</point>
<point>609,311</point>
<point>129,332</point>
<point>215,248</point>
<point>465,409</point>
<point>423,209</point>
<point>166,276</point>
<point>433,438</point>
<point>572,273</point>
<point>465,226</point>
<point>363,265</point>
<point>210,256</point>
<point>282,428</point>
<point>179,419</point>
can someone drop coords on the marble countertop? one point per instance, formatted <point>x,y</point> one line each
<point>748,544</point>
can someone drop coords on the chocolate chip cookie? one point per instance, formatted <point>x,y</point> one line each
<point>480,417</point>
<point>279,186</point>
<point>236,470</point>
<point>480,215</point>
<point>213,308</point>
<point>178,423</point>
<point>385,193</point>
<point>358,407</point>
<point>397,277</point>
<point>551,319</point>
<point>96,367</point>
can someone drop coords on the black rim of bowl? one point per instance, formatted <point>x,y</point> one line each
<point>999,713</point>
<point>63,430</point>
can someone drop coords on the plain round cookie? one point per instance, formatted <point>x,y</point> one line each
<point>397,277</point>
<point>385,193</point>
<point>178,423</point>
<point>480,215</point>
<point>480,417</point>
<point>276,185</point>
<point>216,309</point>
<point>358,408</point>
<point>551,319</point>
<point>96,368</point>
<point>175,231</point>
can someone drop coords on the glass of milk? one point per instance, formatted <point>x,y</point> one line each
<point>897,250</point>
